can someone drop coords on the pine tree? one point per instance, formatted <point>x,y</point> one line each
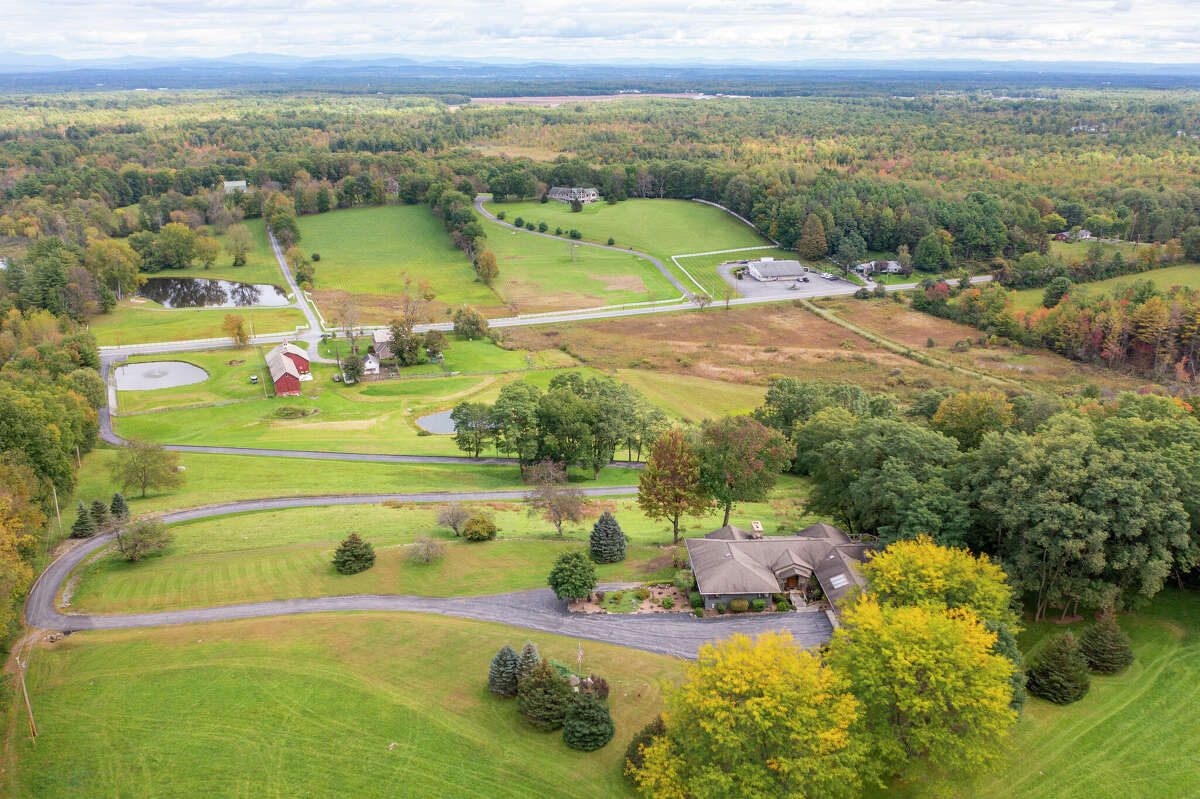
<point>1059,673</point>
<point>85,525</point>
<point>502,676</point>
<point>543,697</point>
<point>588,726</point>
<point>635,754</point>
<point>119,508</point>
<point>529,660</point>
<point>813,245</point>
<point>608,540</point>
<point>1105,646</point>
<point>99,513</point>
<point>353,555</point>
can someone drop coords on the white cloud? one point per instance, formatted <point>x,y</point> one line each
<point>695,30</point>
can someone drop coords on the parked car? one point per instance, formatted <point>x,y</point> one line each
<point>254,379</point>
<point>804,279</point>
<point>828,276</point>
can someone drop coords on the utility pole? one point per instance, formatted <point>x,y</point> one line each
<point>57,512</point>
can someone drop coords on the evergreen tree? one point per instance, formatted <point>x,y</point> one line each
<point>85,525</point>
<point>99,513</point>
<point>1105,646</point>
<point>502,676</point>
<point>608,540</point>
<point>119,508</point>
<point>353,555</point>
<point>543,697</point>
<point>635,754</point>
<point>813,245</point>
<point>1059,673</point>
<point>529,660</point>
<point>588,726</point>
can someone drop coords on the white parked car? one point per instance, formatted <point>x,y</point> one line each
<point>828,276</point>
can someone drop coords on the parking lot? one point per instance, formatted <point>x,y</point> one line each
<point>816,286</point>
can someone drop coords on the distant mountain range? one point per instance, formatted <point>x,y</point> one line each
<point>20,72</point>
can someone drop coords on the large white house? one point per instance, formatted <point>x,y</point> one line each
<point>570,194</point>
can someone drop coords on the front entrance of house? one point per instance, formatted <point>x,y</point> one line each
<point>791,583</point>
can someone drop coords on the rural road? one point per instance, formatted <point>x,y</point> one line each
<point>677,634</point>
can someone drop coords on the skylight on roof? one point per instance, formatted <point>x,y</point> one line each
<point>839,581</point>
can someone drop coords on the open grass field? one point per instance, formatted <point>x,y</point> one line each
<point>659,227</point>
<point>212,479</point>
<point>260,266</point>
<point>229,373</point>
<point>693,399</point>
<point>368,253</point>
<point>364,705</point>
<point>1128,737</point>
<point>1186,275</point>
<point>539,274</point>
<point>143,322</point>
<point>286,554</point>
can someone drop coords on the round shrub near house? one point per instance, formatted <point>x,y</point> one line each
<point>738,605</point>
<point>642,593</point>
<point>758,605</point>
<point>668,603</point>
<point>695,600</point>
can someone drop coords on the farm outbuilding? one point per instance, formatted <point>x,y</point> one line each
<point>284,374</point>
<point>297,356</point>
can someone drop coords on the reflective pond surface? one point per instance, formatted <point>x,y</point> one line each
<point>437,423</point>
<point>203,292</point>
<point>157,374</point>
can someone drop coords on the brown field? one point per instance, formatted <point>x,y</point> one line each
<point>1040,368</point>
<point>740,345</point>
<point>379,309</point>
<point>621,282</point>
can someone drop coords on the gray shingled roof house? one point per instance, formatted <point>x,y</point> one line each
<point>767,269</point>
<point>731,563</point>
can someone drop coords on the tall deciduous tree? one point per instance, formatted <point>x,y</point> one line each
<point>145,466</point>
<point>472,426</point>
<point>933,693</point>
<point>740,460</point>
<point>967,416</point>
<point>763,719</point>
<point>670,487</point>
<point>238,243</point>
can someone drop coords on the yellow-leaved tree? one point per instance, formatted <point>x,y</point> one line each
<point>757,718</point>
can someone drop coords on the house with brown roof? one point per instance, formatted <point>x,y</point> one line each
<point>732,563</point>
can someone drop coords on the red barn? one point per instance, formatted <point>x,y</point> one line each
<point>296,356</point>
<point>284,374</point>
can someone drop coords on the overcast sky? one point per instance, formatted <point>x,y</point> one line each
<point>692,30</point>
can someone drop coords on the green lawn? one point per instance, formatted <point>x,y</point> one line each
<point>693,398</point>
<point>371,250</point>
<point>1128,737</point>
<point>1187,275</point>
<point>364,705</point>
<point>658,227</point>
<point>539,274</point>
<point>260,267</point>
<point>145,322</point>
<point>225,381</point>
<point>212,479</point>
<point>286,554</point>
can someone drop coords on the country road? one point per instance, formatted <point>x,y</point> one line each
<point>677,634</point>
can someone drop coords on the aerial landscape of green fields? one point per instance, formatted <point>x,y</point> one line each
<point>679,402</point>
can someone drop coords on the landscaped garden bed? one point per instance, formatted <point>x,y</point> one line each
<point>664,598</point>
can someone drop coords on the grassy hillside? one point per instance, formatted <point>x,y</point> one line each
<point>1187,275</point>
<point>365,705</point>
<point>142,322</point>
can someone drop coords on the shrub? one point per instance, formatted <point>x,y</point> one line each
<point>607,541</point>
<point>683,581</point>
<point>119,508</point>
<point>699,612</point>
<point>719,607</point>
<point>85,525</point>
<point>596,685</point>
<point>528,661</point>
<point>588,726</point>
<point>502,674</point>
<point>738,605</point>
<point>1105,646</point>
<point>353,555</point>
<point>642,593</point>
<point>142,539</point>
<point>1059,673</point>
<point>618,596</point>
<point>758,605</point>
<point>781,606</point>
<point>575,234</point>
<point>634,753</point>
<point>519,221</point>
<point>929,342</point>
<point>99,513</point>
<point>599,596</point>
<point>501,214</point>
<point>529,226</point>
<point>695,600</point>
<point>316,256</point>
<point>611,241</point>
<point>777,598</point>
<point>863,293</point>
<point>573,576</point>
<point>668,602</point>
<point>426,550</point>
<point>479,528</point>
<point>558,231</point>
<point>543,698</point>
<point>543,227</point>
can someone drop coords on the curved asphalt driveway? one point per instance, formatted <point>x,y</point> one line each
<point>677,634</point>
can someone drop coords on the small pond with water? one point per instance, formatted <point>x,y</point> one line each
<point>203,292</point>
<point>439,423</point>
<point>158,374</point>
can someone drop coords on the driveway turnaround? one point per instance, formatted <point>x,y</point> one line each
<point>677,634</point>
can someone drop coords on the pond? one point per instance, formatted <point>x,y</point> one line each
<point>439,423</point>
<point>203,292</point>
<point>158,374</point>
